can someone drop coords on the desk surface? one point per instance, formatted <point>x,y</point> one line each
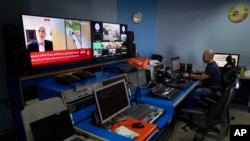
<point>86,126</point>
<point>51,88</point>
<point>164,102</point>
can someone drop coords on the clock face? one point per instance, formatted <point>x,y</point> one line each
<point>97,26</point>
<point>137,17</point>
<point>238,13</point>
<point>123,29</point>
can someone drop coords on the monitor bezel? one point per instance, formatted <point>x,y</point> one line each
<point>226,54</point>
<point>99,108</point>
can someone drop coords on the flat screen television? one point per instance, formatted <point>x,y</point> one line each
<point>220,58</point>
<point>108,38</point>
<point>111,100</point>
<point>53,40</point>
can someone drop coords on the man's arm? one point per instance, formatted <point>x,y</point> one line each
<point>201,76</point>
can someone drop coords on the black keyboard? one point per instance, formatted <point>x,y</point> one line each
<point>66,79</point>
<point>84,74</point>
<point>179,84</point>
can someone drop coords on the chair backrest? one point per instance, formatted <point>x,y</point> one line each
<point>228,76</point>
<point>39,110</point>
<point>219,113</point>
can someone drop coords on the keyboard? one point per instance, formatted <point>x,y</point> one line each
<point>144,112</point>
<point>84,74</point>
<point>66,79</point>
<point>162,91</point>
<point>176,83</point>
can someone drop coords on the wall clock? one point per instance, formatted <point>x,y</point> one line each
<point>238,13</point>
<point>137,17</point>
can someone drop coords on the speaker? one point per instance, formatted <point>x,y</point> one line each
<point>130,37</point>
<point>12,36</point>
<point>131,48</point>
<point>16,55</point>
<point>189,67</point>
<point>182,67</point>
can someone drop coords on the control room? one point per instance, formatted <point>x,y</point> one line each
<point>100,62</point>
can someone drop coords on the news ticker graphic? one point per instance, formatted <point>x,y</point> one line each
<point>239,132</point>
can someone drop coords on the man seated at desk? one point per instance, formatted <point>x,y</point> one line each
<point>211,77</point>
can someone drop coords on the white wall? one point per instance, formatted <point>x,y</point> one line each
<point>187,28</point>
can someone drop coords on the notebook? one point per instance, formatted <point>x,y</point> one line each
<point>56,127</point>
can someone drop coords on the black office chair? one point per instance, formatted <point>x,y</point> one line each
<point>214,122</point>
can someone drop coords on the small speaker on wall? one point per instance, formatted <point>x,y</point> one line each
<point>130,37</point>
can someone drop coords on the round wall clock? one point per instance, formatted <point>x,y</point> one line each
<point>238,13</point>
<point>137,17</point>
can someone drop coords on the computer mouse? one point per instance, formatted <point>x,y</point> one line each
<point>138,125</point>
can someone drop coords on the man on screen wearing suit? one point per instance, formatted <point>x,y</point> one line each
<point>40,45</point>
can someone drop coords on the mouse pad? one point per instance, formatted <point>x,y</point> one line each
<point>144,133</point>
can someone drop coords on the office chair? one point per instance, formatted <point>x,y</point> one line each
<point>214,122</point>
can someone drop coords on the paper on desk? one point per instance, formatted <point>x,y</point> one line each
<point>124,131</point>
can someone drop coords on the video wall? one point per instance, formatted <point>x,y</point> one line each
<point>108,39</point>
<point>51,40</point>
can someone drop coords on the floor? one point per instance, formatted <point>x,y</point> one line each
<point>237,110</point>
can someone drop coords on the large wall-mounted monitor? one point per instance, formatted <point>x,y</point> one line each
<point>111,100</point>
<point>220,58</point>
<point>53,40</point>
<point>108,38</point>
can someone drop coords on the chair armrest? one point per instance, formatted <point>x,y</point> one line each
<point>193,111</point>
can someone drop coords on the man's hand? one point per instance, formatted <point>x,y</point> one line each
<point>185,74</point>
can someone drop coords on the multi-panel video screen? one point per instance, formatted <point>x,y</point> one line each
<point>51,40</point>
<point>108,38</point>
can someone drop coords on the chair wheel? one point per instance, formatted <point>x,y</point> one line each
<point>197,138</point>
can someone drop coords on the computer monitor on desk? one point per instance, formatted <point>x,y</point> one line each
<point>176,67</point>
<point>220,58</point>
<point>111,100</point>
<point>175,64</point>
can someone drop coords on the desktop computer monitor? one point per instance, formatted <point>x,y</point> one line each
<point>220,59</point>
<point>111,100</point>
<point>175,64</point>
